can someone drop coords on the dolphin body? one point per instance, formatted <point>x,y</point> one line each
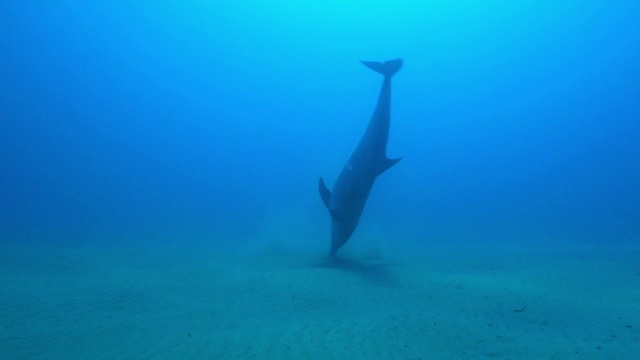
<point>369,159</point>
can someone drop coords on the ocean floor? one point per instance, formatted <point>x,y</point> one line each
<point>442,302</point>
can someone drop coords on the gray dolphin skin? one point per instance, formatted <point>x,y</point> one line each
<point>369,159</point>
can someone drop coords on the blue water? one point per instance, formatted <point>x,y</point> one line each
<point>206,120</point>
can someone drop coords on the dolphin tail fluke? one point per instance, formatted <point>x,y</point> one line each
<point>387,68</point>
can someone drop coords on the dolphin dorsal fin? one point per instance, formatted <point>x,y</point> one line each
<point>325,194</point>
<point>387,163</point>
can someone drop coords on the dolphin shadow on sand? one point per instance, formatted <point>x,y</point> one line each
<point>374,271</point>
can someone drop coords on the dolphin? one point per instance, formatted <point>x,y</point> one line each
<point>368,160</point>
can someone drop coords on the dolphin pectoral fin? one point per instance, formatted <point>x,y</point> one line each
<point>325,194</point>
<point>387,163</point>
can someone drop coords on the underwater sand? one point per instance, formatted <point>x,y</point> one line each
<point>451,302</point>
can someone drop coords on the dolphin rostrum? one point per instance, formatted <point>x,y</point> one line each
<point>368,160</point>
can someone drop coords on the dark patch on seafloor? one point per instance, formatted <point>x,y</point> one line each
<point>374,271</point>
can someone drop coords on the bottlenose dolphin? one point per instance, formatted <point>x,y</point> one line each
<point>368,160</point>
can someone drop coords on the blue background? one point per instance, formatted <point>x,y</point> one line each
<point>212,121</point>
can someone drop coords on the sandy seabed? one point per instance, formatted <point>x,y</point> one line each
<point>172,302</point>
